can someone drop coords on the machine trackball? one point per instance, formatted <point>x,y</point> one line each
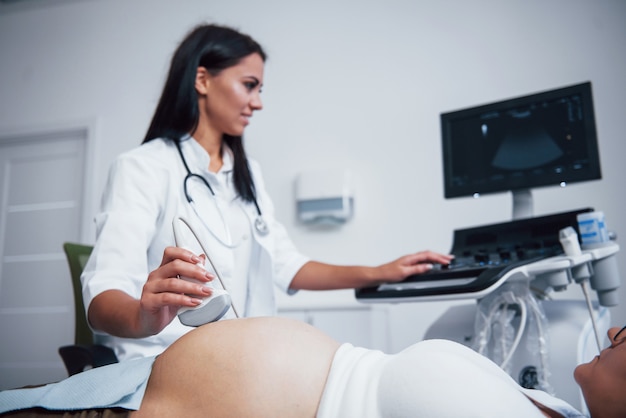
<point>212,307</point>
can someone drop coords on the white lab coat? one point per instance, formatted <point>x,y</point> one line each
<point>143,194</point>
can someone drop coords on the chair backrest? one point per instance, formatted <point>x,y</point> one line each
<point>77,256</point>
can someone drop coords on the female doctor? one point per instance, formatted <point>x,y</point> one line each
<point>192,164</point>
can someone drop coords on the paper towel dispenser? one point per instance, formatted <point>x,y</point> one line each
<point>324,196</point>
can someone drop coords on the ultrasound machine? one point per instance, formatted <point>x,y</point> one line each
<point>510,272</point>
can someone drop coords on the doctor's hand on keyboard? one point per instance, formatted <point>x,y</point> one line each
<point>412,264</point>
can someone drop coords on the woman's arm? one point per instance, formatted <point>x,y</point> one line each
<point>319,276</point>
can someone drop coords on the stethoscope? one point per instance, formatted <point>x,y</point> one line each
<point>259,223</point>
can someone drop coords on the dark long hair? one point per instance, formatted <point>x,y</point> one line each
<point>215,48</point>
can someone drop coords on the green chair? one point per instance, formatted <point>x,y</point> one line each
<point>83,354</point>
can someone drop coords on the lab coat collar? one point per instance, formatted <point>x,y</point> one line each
<point>227,159</point>
<point>199,160</point>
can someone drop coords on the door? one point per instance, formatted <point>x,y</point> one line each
<point>41,201</point>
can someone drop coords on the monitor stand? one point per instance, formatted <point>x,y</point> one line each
<point>522,204</point>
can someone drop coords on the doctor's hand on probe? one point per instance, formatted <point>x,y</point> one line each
<point>161,297</point>
<point>164,293</point>
<point>319,276</point>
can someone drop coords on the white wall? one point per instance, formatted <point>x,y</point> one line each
<point>349,83</point>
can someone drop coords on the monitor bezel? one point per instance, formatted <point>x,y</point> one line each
<point>592,173</point>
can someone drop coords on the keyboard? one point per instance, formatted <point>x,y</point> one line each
<point>483,257</point>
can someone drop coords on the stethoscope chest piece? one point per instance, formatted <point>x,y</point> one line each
<point>261,226</point>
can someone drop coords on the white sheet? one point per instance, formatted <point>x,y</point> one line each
<point>433,378</point>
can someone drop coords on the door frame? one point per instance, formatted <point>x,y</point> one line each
<point>36,370</point>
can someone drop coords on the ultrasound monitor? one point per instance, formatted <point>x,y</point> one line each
<point>543,139</point>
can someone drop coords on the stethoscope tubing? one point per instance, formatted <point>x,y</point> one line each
<point>259,223</point>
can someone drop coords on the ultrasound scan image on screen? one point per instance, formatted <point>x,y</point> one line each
<point>538,140</point>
